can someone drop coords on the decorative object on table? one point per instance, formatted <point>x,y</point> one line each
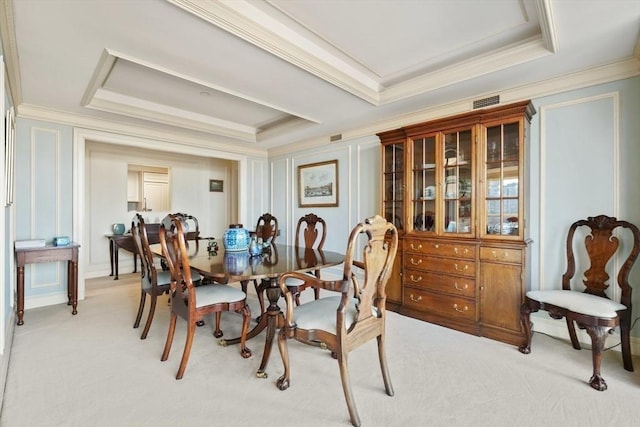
<point>255,248</point>
<point>61,241</point>
<point>318,184</point>
<point>266,246</point>
<point>236,238</point>
<point>33,243</point>
<point>212,246</point>
<point>118,229</point>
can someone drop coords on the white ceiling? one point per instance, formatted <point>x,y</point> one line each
<point>265,74</point>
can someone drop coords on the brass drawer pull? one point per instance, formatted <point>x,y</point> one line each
<point>414,248</point>
<point>455,306</point>
<point>414,299</point>
<point>415,279</point>
<point>460,288</point>
<point>505,255</point>
<point>464,251</point>
<point>465,268</point>
<point>435,245</point>
<point>412,261</point>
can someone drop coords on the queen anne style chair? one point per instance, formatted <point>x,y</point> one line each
<point>311,232</point>
<point>153,282</point>
<point>266,229</point>
<point>344,322</point>
<point>191,303</point>
<point>591,309</point>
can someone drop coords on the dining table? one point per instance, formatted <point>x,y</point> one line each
<point>225,267</point>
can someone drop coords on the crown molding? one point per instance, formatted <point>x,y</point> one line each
<point>33,112</point>
<point>509,56</point>
<point>244,20</point>
<point>599,75</point>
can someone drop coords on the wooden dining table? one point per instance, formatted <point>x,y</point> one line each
<point>277,259</point>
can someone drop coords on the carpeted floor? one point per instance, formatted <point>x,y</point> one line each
<point>93,370</point>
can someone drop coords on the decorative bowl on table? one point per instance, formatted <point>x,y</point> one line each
<point>118,229</point>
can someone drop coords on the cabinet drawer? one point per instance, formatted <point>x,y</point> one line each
<point>463,267</point>
<point>442,305</point>
<point>501,255</point>
<point>458,250</point>
<point>453,285</point>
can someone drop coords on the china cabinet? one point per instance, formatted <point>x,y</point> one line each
<point>454,187</point>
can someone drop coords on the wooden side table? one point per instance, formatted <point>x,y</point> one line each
<point>48,253</point>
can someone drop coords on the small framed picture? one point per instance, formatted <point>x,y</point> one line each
<point>318,184</point>
<point>216,185</point>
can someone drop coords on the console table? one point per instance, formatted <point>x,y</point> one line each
<point>48,253</point>
<point>125,241</point>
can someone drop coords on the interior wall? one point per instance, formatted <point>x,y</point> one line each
<point>358,188</point>
<point>106,196</point>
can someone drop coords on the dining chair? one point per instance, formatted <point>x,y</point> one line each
<point>311,232</point>
<point>343,322</point>
<point>194,303</point>
<point>192,231</point>
<point>266,230</point>
<point>153,282</point>
<point>591,308</point>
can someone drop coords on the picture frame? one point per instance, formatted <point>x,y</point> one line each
<point>216,185</point>
<point>9,153</point>
<point>318,184</point>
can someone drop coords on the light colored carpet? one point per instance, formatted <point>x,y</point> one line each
<point>93,370</point>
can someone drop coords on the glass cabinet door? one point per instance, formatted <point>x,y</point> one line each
<point>502,180</point>
<point>425,184</point>
<point>393,163</point>
<point>457,182</point>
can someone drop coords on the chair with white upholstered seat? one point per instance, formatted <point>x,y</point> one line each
<point>592,309</point>
<point>153,282</point>
<point>194,303</point>
<point>357,315</point>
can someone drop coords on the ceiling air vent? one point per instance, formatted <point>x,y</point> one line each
<point>336,137</point>
<point>485,102</point>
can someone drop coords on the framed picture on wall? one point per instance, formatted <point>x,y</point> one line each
<point>318,184</point>
<point>216,185</point>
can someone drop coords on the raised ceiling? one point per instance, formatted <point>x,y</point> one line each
<point>264,74</point>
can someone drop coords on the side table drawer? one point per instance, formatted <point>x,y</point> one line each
<point>453,285</point>
<point>441,305</point>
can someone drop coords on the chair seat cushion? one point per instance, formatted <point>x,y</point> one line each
<point>216,293</point>
<point>578,302</point>
<point>321,314</point>
<point>164,278</point>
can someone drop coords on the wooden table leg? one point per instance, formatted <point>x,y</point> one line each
<point>20,294</point>
<point>111,247</point>
<point>72,286</point>
<point>275,319</point>
<point>115,260</point>
<point>271,321</point>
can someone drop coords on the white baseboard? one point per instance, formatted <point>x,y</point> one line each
<point>558,328</point>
